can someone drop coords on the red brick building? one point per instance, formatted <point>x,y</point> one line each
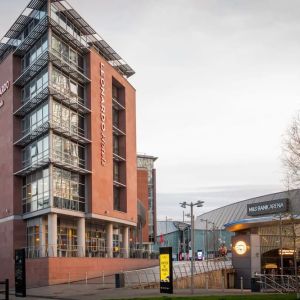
<point>68,171</point>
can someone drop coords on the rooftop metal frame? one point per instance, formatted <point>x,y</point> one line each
<point>9,43</point>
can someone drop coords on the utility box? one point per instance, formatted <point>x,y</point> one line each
<point>120,280</point>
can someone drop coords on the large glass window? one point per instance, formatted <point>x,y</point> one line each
<point>68,190</point>
<point>66,239</point>
<point>68,152</point>
<point>36,152</point>
<point>33,241</point>
<point>35,191</point>
<point>35,52</point>
<point>68,54</point>
<point>35,86</point>
<point>35,119</point>
<point>68,86</point>
<point>68,119</point>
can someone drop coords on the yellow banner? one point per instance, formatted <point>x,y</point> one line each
<point>164,263</point>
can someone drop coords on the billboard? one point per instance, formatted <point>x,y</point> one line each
<point>267,207</point>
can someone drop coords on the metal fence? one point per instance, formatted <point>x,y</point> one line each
<point>182,269</point>
<point>278,283</point>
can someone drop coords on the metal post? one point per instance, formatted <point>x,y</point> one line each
<point>206,282</point>
<point>206,234</point>
<point>192,242</point>
<point>242,284</point>
<point>6,289</point>
<point>103,279</point>
<point>281,256</point>
<point>85,277</point>
<point>69,278</point>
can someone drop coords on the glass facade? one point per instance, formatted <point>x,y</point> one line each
<point>52,153</point>
<point>119,142</point>
<point>35,191</point>
<point>146,162</point>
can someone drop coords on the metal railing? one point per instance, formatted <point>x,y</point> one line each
<point>278,283</point>
<point>63,250</point>
<point>182,269</point>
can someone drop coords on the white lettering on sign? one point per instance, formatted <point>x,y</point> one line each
<point>3,89</point>
<point>102,115</point>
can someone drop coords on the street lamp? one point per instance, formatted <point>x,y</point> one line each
<point>184,204</point>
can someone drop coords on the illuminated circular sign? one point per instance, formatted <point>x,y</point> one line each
<point>240,247</point>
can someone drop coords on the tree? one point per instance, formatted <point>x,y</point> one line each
<point>291,154</point>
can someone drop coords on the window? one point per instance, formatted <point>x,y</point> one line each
<point>35,119</point>
<point>35,86</point>
<point>68,152</point>
<point>68,119</point>
<point>36,152</point>
<point>35,191</point>
<point>67,53</point>
<point>65,85</point>
<point>68,190</point>
<point>35,52</point>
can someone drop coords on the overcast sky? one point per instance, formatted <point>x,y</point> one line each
<point>217,85</point>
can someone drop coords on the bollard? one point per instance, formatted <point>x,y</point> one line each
<point>242,284</point>
<point>103,280</point>
<point>86,278</point>
<point>206,282</point>
<point>69,278</point>
<point>6,289</point>
<point>223,283</point>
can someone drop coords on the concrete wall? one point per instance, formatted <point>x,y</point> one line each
<point>49,271</point>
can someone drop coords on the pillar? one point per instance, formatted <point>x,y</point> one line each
<point>52,235</point>
<point>81,237</point>
<point>42,237</point>
<point>126,241</point>
<point>109,239</point>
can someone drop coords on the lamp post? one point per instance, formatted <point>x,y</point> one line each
<point>191,205</point>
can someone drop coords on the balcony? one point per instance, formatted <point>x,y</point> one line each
<point>30,135</point>
<point>46,57</point>
<point>33,69</point>
<point>117,131</point>
<point>32,37</point>
<point>33,102</point>
<point>60,161</point>
<point>117,105</point>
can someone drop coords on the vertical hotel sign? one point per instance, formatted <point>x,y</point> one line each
<point>166,270</point>
<point>3,90</point>
<point>102,115</point>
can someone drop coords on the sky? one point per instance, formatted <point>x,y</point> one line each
<point>217,86</point>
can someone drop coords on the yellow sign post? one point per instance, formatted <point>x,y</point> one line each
<point>166,270</point>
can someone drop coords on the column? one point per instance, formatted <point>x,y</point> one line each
<point>126,242</point>
<point>52,235</point>
<point>42,237</point>
<point>109,239</point>
<point>81,237</point>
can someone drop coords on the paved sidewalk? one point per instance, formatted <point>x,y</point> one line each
<point>91,292</point>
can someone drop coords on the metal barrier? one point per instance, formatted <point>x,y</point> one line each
<point>78,251</point>
<point>278,283</point>
<point>6,288</point>
<point>182,269</point>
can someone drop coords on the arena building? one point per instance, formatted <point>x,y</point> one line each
<point>265,233</point>
<point>68,176</point>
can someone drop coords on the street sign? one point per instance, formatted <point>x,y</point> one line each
<point>20,273</point>
<point>166,270</point>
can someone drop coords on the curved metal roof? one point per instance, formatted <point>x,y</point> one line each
<point>238,211</point>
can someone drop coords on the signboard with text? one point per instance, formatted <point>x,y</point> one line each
<point>166,270</point>
<point>267,207</point>
<point>20,273</point>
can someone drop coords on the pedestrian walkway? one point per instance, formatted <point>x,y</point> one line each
<point>91,292</point>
